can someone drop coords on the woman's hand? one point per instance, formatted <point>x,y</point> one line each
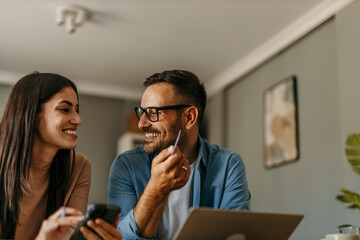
<point>54,227</point>
<point>103,229</point>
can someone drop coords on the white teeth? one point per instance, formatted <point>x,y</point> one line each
<point>151,135</point>
<point>70,132</point>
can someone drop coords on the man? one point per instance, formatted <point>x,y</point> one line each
<point>156,188</point>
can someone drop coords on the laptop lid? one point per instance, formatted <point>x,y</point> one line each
<point>208,223</point>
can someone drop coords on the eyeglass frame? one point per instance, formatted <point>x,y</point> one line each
<point>157,109</point>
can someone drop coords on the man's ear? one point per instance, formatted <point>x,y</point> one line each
<point>191,115</point>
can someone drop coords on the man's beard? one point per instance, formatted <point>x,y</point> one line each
<point>162,144</point>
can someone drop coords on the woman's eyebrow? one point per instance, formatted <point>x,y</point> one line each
<point>67,102</point>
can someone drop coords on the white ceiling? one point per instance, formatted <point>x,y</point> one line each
<point>126,41</point>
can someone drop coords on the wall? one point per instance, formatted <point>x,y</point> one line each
<point>104,120</point>
<point>309,185</point>
<point>214,116</point>
<point>4,94</point>
<point>326,63</point>
<point>348,39</point>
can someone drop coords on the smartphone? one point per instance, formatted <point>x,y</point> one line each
<point>108,213</point>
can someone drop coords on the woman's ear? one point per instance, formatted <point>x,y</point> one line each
<point>191,115</point>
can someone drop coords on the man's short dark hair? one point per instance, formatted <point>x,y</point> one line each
<point>187,87</point>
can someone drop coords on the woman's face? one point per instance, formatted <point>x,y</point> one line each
<point>58,120</point>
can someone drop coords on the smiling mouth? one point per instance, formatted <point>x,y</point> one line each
<point>150,136</point>
<point>70,132</point>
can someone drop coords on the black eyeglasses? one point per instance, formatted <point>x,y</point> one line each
<point>152,113</point>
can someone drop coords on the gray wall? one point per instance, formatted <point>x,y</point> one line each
<point>104,120</point>
<point>4,94</point>
<point>327,64</point>
<point>309,185</point>
<point>214,115</point>
<point>348,38</point>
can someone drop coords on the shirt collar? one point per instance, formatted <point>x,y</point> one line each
<point>202,151</point>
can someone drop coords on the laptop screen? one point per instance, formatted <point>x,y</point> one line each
<point>208,223</point>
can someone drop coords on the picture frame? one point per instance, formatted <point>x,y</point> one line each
<point>281,128</point>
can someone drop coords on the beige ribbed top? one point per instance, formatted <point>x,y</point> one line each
<point>33,204</point>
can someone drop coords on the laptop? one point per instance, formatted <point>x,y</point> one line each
<point>208,223</point>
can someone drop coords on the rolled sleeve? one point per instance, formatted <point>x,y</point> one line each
<point>128,227</point>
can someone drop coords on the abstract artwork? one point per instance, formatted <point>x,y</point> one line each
<point>281,141</point>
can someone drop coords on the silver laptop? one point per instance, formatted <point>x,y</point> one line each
<point>208,223</point>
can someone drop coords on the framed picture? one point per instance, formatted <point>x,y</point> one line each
<point>281,136</point>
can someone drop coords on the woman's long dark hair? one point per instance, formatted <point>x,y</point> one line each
<point>16,142</point>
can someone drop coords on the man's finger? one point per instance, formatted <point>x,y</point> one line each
<point>163,155</point>
<point>176,159</point>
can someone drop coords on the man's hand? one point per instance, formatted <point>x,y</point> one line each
<point>169,172</point>
<point>103,229</point>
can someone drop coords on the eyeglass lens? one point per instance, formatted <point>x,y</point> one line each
<point>151,113</point>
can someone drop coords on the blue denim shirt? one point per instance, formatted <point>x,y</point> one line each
<point>219,182</point>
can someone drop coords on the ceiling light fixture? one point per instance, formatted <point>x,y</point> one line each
<point>72,15</point>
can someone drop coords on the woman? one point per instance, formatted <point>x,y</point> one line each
<point>39,169</point>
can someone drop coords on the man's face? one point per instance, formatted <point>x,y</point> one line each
<point>161,134</point>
